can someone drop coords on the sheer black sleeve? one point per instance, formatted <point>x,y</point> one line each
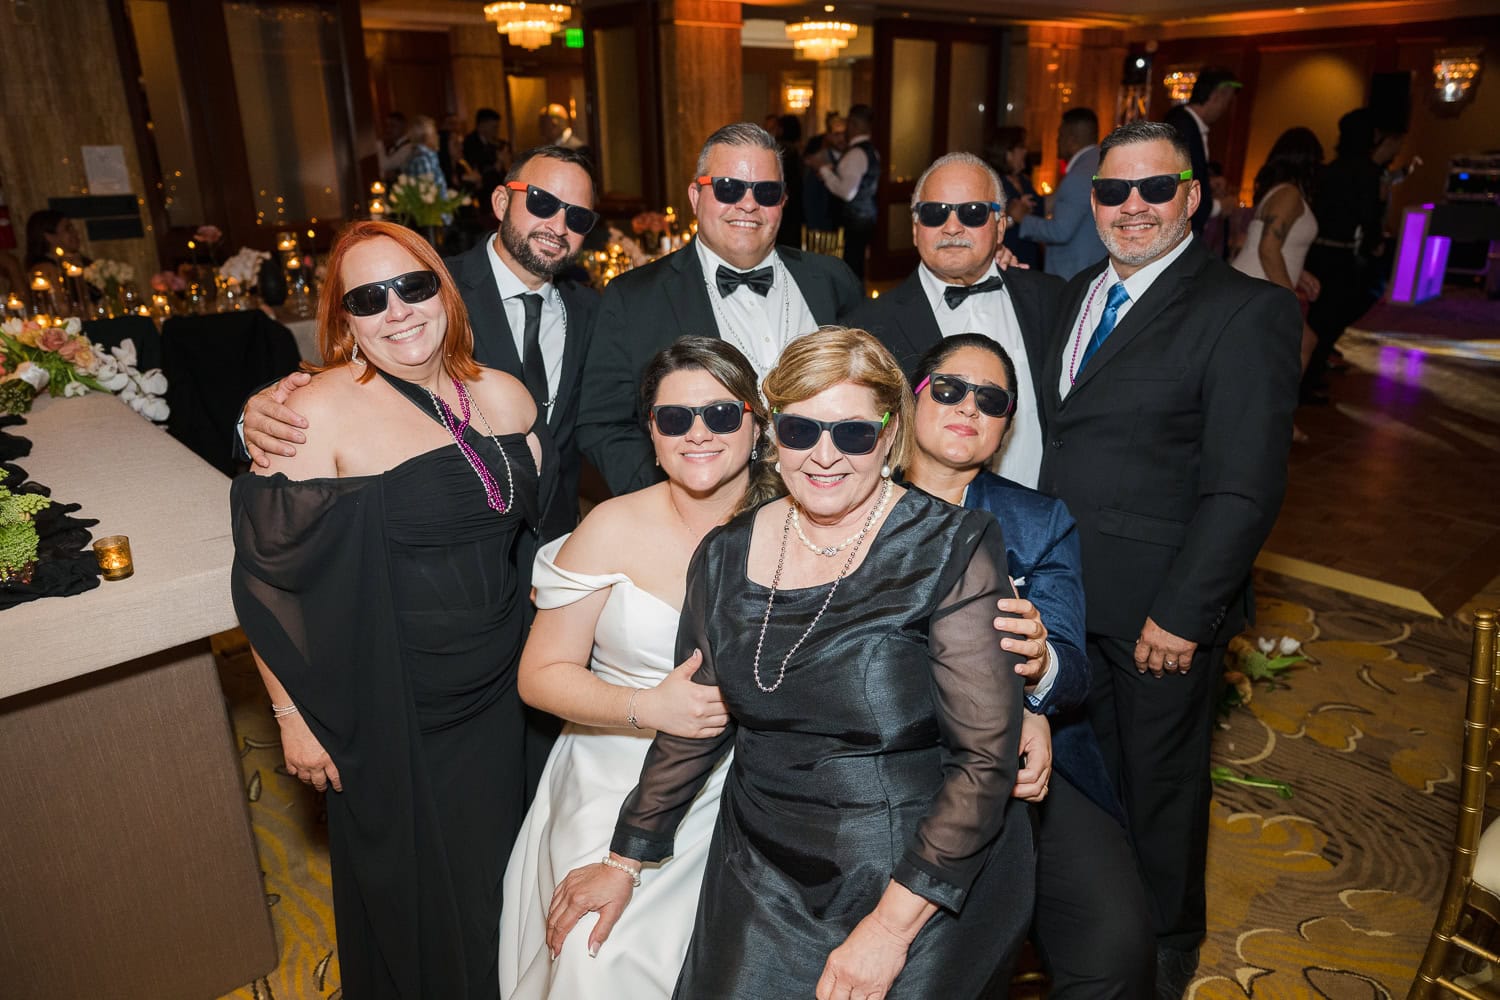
<point>978,698</point>
<point>676,767</point>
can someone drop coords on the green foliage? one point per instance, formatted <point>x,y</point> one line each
<point>18,537</point>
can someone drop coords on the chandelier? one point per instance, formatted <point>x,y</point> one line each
<point>820,40</point>
<point>529,25</point>
<point>798,95</point>
<point>1453,73</point>
<point>1179,84</point>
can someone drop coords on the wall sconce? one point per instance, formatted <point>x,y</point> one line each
<point>798,96</point>
<point>1454,74</point>
<point>1179,84</point>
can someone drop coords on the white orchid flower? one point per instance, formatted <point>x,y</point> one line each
<point>114,380</point>
<point>73,327</point>
<point>74,389</point>
<point>1267,645</point>
<point>1288,646</point>
<point>125,353</point>
<point>153,382</point>
<point>33,375</point>
<point>154,409</point>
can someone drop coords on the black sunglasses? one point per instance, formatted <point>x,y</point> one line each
<point>412,287</point>
<point>950,390</point>
<point>971,213</point>
<point>545,204</point>
<point>729,190</point>
<point>852,437</point>
<point>1156,190</point>
<point>674,420</point>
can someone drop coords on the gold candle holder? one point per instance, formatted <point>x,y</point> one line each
<point>113,554</point>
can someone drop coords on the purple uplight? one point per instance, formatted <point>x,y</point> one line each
<point>1434,264</point>
<point>1409,256</point>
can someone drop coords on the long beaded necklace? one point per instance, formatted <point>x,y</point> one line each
<point>729,333</point>
<point>1082,319</point>
<point>456,427</point>
<point>786,533</point>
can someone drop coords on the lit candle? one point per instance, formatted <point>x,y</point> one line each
<point>377,208</point>
<point>113,554</point>
<point>377,188</point>
<point>14,306</point>
<point>40,284</point>
<point>143,310</point>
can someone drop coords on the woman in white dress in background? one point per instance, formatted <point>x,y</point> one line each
<point>1284,227</point>
<point>600,656</point>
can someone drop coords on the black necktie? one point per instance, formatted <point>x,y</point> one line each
<point>758,281</point>
<point>533,371</point>
<point>954,295</point>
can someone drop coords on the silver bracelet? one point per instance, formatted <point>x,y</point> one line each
<point>282,711</point>
<point>630,712</point>
<point>635,875</point>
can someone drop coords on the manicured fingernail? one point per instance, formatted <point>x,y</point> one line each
<point>594,950</point>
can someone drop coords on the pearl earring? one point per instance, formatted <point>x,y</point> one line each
<point>778,465</point>
<point>885,472</point>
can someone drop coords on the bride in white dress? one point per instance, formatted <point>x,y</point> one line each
<point>600,656</point>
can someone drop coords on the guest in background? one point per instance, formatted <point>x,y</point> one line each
<point>731,282</point>
<point>854,182</point>
<point>423,161</point>
<point>47,232</point>
<point>395,146</point>
<point>601,656</point>
<point>556,124</point>
<point>483,148</point>
<point>819,208</point>
<point>1284,226</point>
<point>789,138</point>
<point>880,716</point>
<point>1006,154</point>
<point>1347,255</point>
<point>377,577</point>
<point>1091,926</point>
<point>1213,92</point>
<point>1068,233</point>
<point>458,173</point>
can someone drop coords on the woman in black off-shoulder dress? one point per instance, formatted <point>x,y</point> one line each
<point>866,839</point>
<point>379,577</point>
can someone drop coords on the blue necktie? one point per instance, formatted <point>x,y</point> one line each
<point>1118,296</point>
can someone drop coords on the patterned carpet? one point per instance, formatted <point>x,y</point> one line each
<point>1329,894</point>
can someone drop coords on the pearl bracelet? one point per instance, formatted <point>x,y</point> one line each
<point>635,875</point>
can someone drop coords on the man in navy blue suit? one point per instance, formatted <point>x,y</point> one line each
<point>1070,237</point>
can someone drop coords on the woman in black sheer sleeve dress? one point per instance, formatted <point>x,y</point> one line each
<point>867,844</point>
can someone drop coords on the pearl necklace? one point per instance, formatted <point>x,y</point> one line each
<point>832,550</point>
<point>786,533</point>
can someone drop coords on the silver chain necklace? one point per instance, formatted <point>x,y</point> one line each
<point>786,533</point>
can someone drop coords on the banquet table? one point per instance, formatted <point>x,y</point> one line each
<point>127,862</point>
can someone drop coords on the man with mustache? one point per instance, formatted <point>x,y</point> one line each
<point>731,282</point>
<point>1090,908</point>
<point>525,322</point>
<point>1170,388</point>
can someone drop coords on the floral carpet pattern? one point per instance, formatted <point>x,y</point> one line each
<point>1329,894</point>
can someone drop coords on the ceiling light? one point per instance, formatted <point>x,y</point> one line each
<point>529,25</point>
<point>820,40</point>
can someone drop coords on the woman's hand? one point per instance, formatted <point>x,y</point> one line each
<point>594,888</point>
<point>679,707</point>
<point>305,756</point>
<point>865,965</point>
<point>1032,645</point>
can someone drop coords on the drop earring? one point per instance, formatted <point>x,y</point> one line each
<point>885,472</point>
<point>754,454</point>
<point>778,465</point>
<point>354,354</point>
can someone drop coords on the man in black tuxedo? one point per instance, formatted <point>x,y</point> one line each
<point>731,282</point>
<point>1213,92</point>
<point>1170,389</point>
<point>958,220</point>
<point>505,281</point>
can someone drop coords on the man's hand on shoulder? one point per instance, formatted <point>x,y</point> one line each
<point>271,426</point>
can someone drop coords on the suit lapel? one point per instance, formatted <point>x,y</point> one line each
<point>574,338</point>
<point>492,333</point>
<point>913,314</point>
<point>1023,296</point>
<point>688,295</point>
<point>1167,288</point>
<point>817,294</point>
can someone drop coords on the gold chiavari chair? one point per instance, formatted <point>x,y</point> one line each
<point>829,242</point>
<point>1473,889</point>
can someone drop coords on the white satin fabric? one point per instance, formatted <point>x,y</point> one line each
<point>570,824</point>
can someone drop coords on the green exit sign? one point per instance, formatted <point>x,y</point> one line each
<point>573,38</point>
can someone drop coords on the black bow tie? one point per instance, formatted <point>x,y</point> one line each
<point>954,295</point>
<point>758,281</point>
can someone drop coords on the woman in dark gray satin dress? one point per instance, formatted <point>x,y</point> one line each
<point>867,843</point>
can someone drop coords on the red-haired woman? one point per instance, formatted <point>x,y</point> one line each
<point>377,576</point>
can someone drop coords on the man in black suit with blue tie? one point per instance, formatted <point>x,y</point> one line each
<point>731,282</point>
<point>1170,390</point>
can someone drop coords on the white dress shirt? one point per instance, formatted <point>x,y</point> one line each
<point>759,326</point>
<point>842,181</point>
<point>553,332</point>
<point>994,315</point>
<point>1093,309</point>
